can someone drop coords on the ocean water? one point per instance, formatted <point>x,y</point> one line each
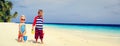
<point>105,28</point>
<point>93,28</point>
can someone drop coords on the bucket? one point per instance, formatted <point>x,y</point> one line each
<point>25,38</point>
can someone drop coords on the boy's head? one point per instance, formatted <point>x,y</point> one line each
<point>40,12</point>
<point>22,19</point>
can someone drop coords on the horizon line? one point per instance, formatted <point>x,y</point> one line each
<point>77,24</point>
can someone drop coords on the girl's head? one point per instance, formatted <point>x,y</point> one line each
<point>22,19</point>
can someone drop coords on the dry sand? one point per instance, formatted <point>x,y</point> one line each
<point>56,37</point>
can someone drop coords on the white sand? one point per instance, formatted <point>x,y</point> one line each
<point>57,37</point>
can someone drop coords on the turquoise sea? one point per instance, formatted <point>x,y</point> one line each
<point>102,28</point>
<point>88,27</point>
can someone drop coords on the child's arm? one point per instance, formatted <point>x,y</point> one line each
<point>34,22</point>
<point>24,31</point>
<point>19,29</point>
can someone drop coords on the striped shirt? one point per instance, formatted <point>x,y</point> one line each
<point>38,22</point>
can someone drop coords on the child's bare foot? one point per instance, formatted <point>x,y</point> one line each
<point>36,42</point>
<point>42,42</point>
<point>19,40</point>
<point>22,40</point>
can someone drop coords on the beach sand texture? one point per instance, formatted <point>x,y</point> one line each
<point>56,37</point>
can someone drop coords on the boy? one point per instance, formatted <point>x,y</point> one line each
<point>38,25</point>
<point>22,30</point>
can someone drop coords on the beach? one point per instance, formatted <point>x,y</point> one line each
<point>54,36</point>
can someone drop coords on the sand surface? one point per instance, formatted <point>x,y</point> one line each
<point>56,37</point>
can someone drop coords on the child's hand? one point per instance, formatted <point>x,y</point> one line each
<point>20,32</point>
<point>24,33</point>
<point>32,29</point>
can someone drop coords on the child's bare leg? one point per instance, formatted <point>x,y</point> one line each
<point>22,39</point>
<point>19,39</point>
<point>41,40</point>
<point>36,40</point>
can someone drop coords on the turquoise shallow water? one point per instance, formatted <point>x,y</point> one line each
<point>102,28</point>
<point>91,28</point>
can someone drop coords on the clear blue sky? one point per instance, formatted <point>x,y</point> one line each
<point>70,11</point>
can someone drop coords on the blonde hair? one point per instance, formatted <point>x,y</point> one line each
<point>22,16</point>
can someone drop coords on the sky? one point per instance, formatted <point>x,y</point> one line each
<point>69,11</point>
